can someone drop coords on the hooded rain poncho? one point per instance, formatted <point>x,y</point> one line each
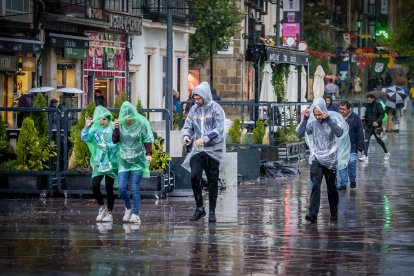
<point>206,122</point>
<point>103,151</point>
<point>331,151</point>
<point>132,151</point>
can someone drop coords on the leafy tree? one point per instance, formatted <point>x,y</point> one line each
<point>258,132</point>
<point>40,118</point>
<point>402,40</point>
<point>216,22</point>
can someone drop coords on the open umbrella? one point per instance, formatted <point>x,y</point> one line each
<point>70,90</point>
<point>266,89</point>
<point>397,96</point>
<point>41,89</point>
<point>379,95</point>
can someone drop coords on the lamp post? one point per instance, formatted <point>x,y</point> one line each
<point>359,25</point>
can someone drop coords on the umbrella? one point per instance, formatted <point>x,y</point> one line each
<point>396,96</point>
<point>41,89</point>
<point>292,85</point>
<point>318,83</point>
<point>70,90</point>
<point>379,95</point>
<point>266,89</point>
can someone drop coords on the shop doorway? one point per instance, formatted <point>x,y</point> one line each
<point>106,89</point>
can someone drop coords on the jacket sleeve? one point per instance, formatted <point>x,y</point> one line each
<point>218,127</point>
<point>85,134</point>
<point>380,113</point>
<point>188,129</point>
<point>115,136</point>
<point>338,131</point>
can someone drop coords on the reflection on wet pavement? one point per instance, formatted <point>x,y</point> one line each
<point>260,230</point>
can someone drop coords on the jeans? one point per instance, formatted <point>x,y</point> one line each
<point>317,173</point>
<point>349,171</point>
<point>123,189</point>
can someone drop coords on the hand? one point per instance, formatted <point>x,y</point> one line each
<point>375,124</point>
<point>325,115</point>
<point>148,158</point>
<point>186,141</point>
<point>116,123</point>
<point>198,143</point>
<point>307,112</point>
<point>88,122</point>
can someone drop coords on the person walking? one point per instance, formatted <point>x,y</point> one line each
<point>205,127</point>
<point>373,117</point>
<point>356,137</point>
<point>324,132</point>
<point>332,89</point>
<point>97,134</point>
<point>329,103</point>
<point>133,133</point>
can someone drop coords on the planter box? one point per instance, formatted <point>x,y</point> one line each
<point>27,182</point>
<point>291,150</point>
<point>248,163</point>
<point>80,181</point>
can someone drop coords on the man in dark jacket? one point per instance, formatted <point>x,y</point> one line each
<point>356,137</point>
<point>329,103</point>
<point>374,114</point>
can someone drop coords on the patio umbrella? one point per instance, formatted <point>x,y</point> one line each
<point>266,89</point>
<point>379,95</point>
<point>70,90</point>
<point>41,89</point>
<point>318,83</point>
<point>397,96</point>
<point>303,84</point>
<point>292,85</point>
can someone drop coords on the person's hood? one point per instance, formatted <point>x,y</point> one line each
<point>100,113</point>
<point>320,103</point>
<point>203,90</point>
<point>128,111</point>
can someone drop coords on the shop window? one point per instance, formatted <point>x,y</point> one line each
<point>117,5</point>
<point>16,6</point>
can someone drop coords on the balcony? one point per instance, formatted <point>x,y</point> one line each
<point>156,10</point>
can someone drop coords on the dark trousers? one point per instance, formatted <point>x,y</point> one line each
<point>109,187</point>
<point>317,173</point>
<point>198,163</point>
<point>369,131</point>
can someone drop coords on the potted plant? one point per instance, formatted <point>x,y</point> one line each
<point>288,143</point>
<point>6,152</point>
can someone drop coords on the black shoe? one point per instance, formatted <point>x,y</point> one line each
<point>198,214</point>
<point>353,184</point>
<point>334,218</point>
<point>212,217</point>
<point>342,188</point>
<point>310,218</point>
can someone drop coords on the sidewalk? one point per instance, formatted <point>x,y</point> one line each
<point>260,229</point>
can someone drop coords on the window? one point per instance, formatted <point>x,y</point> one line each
<point>14,7</point>
<point>117,5</point>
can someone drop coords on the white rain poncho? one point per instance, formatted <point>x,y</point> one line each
<point>132,139</point>
<point>330,150</point>
<point>206,122</point>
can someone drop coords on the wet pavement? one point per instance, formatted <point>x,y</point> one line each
<point>260,229</point>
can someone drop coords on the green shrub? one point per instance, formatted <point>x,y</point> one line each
<point>285,135</point>
<point>40,118</point>
<point>139,106</point>
<point>235,131</point>
<point>160,158</point>
<point>5,149</point>
<point>31,154</point>
<point>80,155</point>
<point>258,132</point>
<point>118,102</point>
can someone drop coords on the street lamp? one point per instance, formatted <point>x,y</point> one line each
<point>359,25</point>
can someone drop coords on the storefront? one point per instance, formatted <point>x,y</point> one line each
<point>17,71</point>
<point>105,67</point>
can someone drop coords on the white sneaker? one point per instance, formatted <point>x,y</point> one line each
<point>363,158</point>
<point>104,227</point>
<point>108,218</point>
<point>127,214</point>
<point>135,219</point>
<point>102,212</point>
<point>387,156</point>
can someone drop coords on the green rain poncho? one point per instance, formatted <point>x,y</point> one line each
<point>132,138</point>
<point>99,141</point>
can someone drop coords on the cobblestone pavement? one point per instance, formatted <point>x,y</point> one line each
<point>260,229</point>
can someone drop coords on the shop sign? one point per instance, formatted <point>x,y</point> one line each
<point>29,64</point>
<point>75,53</point>
<point>278,55</point>
<point>20,45</point>
<point>126,23</point>
<point>94,13</point>
<point>8,63</point>
<point>64,41</point>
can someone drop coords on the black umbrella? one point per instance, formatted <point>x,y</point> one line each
<point>379,95</point>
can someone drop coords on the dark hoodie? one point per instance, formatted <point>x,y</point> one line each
<point>332,106</point>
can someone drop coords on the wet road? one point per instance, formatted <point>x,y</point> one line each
<point>261,229</point>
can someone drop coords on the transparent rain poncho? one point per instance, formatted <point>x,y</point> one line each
<point>103,151</point>
<point>132,138</point>
<point>331,151</point>
<point>206,122</point>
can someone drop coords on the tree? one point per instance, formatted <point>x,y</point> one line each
<point>402,40</point>
<point>40,118</point>
<point>216,22</point>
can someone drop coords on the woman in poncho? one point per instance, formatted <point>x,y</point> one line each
<point>134,135</point>
<point>97,135</point>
